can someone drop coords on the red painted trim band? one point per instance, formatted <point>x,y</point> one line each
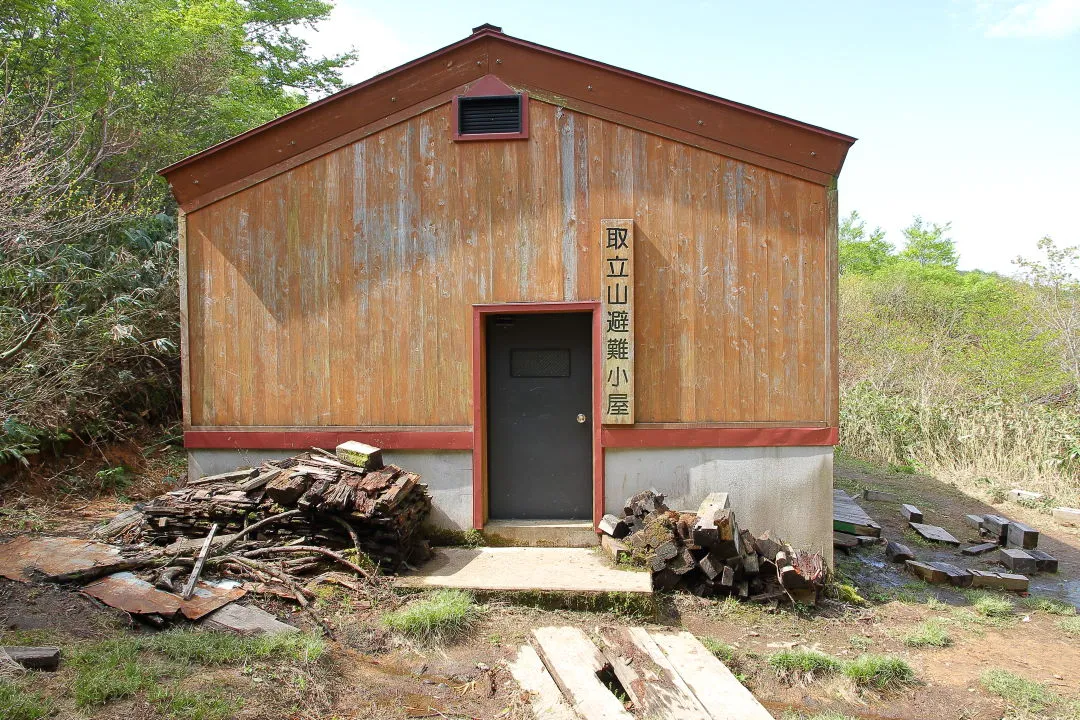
<point>304,439</point>
<point>719,437</point>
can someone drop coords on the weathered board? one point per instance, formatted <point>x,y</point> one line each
<point>934,533</point>
<point>720,692</point>
<point>545,698</point>
<point>574,662</point>
<point>647,676</point>
<point>340,292</point>
<point>849,518</point>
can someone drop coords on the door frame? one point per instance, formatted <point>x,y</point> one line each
<point>479,398</point>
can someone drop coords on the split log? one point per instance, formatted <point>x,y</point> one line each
<point>613,526</point>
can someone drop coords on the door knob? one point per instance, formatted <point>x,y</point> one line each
<point>581,418</point>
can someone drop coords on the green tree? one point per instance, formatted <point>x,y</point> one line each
<point>860,253</point>
<point>151,81</point>
<point>1055,300</point>
<point>928,244</point>
<point>95,95</point>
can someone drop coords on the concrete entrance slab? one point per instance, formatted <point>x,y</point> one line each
<point>543,533</point>
<point>520,569</point>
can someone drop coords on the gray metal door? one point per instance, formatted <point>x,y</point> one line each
<point>539,376</point>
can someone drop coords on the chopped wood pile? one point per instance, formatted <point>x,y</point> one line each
<point>708,554</point>
<point>316,498</point>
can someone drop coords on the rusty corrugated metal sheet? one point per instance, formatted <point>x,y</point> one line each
<point>52,556</point>
<point>126,592</point>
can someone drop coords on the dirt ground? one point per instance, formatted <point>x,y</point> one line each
<point>370,673</point>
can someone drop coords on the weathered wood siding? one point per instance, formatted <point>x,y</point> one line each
<point>339,292</point>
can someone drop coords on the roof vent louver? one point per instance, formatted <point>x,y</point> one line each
<point>490,115</point>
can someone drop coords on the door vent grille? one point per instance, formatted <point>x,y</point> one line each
<point>489,115</point>
<point>540,363</point>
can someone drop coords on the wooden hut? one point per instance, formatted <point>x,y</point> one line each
<point>541,281</point>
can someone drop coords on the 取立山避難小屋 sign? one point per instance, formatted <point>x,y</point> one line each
<point>617,295</point>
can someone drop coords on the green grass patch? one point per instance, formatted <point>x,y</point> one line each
<point>1017,691</point>
<point>930,633</point>
<point>17,703</point>
<point>804,665</point>
<point>860,642</point>
<point>109,670</point>
<point>990,605</point>
<point>181,704</point>
<point>218,648</point>
<point>1051,606</point>
<point>1070,626</point>
<point>436,618</point>
<point>880,672</point>
<point>723,652</point>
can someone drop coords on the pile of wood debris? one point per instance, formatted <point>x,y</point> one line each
<point>334,501</point>
<point>281,529</point>
<point>707,554</point>
<point>316,498</point>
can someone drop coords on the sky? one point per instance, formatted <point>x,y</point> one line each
<point>967,111</point>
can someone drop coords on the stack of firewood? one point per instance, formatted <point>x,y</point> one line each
<point>348,500</point>
<point>707,554</point>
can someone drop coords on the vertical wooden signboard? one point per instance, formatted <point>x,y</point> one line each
<point>617,296</point>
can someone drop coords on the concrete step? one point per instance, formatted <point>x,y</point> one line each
<point>542,533</point>
<point>525,569</point>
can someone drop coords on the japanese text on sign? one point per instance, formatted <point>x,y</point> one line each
<point>617,296</point>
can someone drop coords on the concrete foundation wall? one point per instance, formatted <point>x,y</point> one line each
<point>447,473</point>
<point>785,490</point>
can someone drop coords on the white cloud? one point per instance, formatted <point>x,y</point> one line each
<point>378,47</point>
<point>1029,18</point>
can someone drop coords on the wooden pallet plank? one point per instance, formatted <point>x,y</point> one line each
<point>545,698</point>
<point>648,678</point>
<point>573,662</point>
<point>719,692</point>
<point>934,533</point>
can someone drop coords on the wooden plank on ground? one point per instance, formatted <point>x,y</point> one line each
<point>843,540</point>
<point>898,552</point>
<point>911,513</point>
<point>545,698</point>
<point>1022,536</point>
<point>849,518</point>
<point>573,662</point>
<point>719,692</point>
<point>246,620</point>
<point>980,548</point>
<point>934,533</point>
<point>927,572</point>
<point>34,658</point>
<point>647,676</point>
<point>1002,581</point>
<point>1017,560</point>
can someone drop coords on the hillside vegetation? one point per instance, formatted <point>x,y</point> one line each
<point>969,376</point>
<point>95,96</point>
